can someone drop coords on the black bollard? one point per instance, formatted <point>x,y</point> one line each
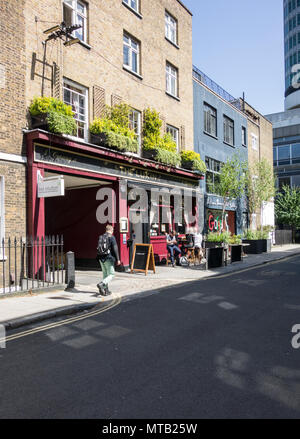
<point>70,271</point>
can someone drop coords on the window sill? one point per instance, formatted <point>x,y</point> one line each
<point>210,135</point>
<point>172,96</point>
<point>172,42</point>
<point>245,146</point>
<point>229,144</point>
<point>127,69</point>
<point>3,259</point>
<point>133,10</point>
<point>84,44</point>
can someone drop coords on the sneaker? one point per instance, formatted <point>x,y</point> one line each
<point>173,265</point>
<point>107,292</point>
<point>101,288</point>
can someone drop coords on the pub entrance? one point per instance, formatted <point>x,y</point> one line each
<point>74,216</point>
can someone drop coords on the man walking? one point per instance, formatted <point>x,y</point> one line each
<point>108,254</point>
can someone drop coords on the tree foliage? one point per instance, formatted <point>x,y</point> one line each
<point>287,207</point>
<point>232,181</point>
<point>260,184</point>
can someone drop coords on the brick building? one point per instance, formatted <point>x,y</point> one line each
<point>119,58</point>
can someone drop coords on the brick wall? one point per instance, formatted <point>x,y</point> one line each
<point>101,65</point>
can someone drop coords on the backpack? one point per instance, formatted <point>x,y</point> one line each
<point>103,248</point>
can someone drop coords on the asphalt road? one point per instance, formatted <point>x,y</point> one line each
<point>216,348</point>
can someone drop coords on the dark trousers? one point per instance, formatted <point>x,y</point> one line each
<point>173,249</point>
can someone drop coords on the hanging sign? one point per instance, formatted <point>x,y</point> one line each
<point>51,187</point>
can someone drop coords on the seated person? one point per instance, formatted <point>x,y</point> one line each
<point>172,247</point>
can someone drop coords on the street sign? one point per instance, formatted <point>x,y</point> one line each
<point>51,187</point>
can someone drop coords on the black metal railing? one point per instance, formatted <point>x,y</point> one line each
<point>283,237</point>
<point>31,263</point>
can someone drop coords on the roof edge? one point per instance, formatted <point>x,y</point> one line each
<point>183,5</point>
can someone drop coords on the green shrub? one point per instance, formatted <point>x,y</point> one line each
<point>152,124</point>
<point>235,239</point>
<point>118,114</point>
<point>194,157</point>
<point>167,157</point>
<point>60,123</point>
<point>42,105</point>
<point>218,237</point>
<point>120,142</point>
<point>256,234</point>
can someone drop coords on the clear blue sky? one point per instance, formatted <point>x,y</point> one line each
<point>239,44</point>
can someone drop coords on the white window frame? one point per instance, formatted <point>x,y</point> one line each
<point>129,3</point>
<point>84,94</point>
<point>228,127</point>
<point>135,117</point>
<point>170,129</point>
<point>73,5</point>
<point>170,28</point>
<point>244,137</point>
<point>171,78</point>
<point>130,45</point>
<point>254,142</point>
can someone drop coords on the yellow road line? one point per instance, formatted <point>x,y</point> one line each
<point>43,328</point>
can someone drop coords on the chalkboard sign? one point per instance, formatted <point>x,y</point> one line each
<point>143,258</point>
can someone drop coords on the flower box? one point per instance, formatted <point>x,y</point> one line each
<point>40,121</point>
<point>215,257</point>
<point>236,253</point>
<point>256,246</point>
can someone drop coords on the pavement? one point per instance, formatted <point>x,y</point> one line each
<point>17,311</point>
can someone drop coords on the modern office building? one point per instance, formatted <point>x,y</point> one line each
<point>292,53</point>
<point>286,124</point>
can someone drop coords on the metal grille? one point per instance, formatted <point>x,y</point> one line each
<point>31,264</point>
<point>202,77</point>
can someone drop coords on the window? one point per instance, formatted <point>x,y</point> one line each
<point>284,181</point>
<point>170,28</point>
<point>74,12</point>
<point>210,120</point>
<point>228,130</point>
<point>77,96</point>
<point>296,153</point>
<point>171,80</point>
<point>212,175</point>
<point>135,124</point>
<point>131,54</point>
<point>244,136</point>
<point>254,141</point>
<point>174,133</point>
<point>133,4</point>
<point>284,155</point>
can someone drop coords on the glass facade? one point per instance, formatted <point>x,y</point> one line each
<point>292,43</point>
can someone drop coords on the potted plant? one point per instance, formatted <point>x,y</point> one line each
<point>191,160</point>
<point>255,242</point>
<point>52,115</point>
<point>216,244</point>
<point>156,147</point>
<point>235,246</point>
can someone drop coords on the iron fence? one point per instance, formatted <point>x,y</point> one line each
<point>283,237</point>
<point>31,263</point>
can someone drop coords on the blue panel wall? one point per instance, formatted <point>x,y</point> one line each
<point>215,148</point>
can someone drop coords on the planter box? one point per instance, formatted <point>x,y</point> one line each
<point>215,257</point>
<point>149,154</point>
<point>236,253</point>
<point>256,246</point>
<point>99,139</point>
<point>267,245</point>
<point>188,165</point>
<point>40,121</point>
<point>208,244</point>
